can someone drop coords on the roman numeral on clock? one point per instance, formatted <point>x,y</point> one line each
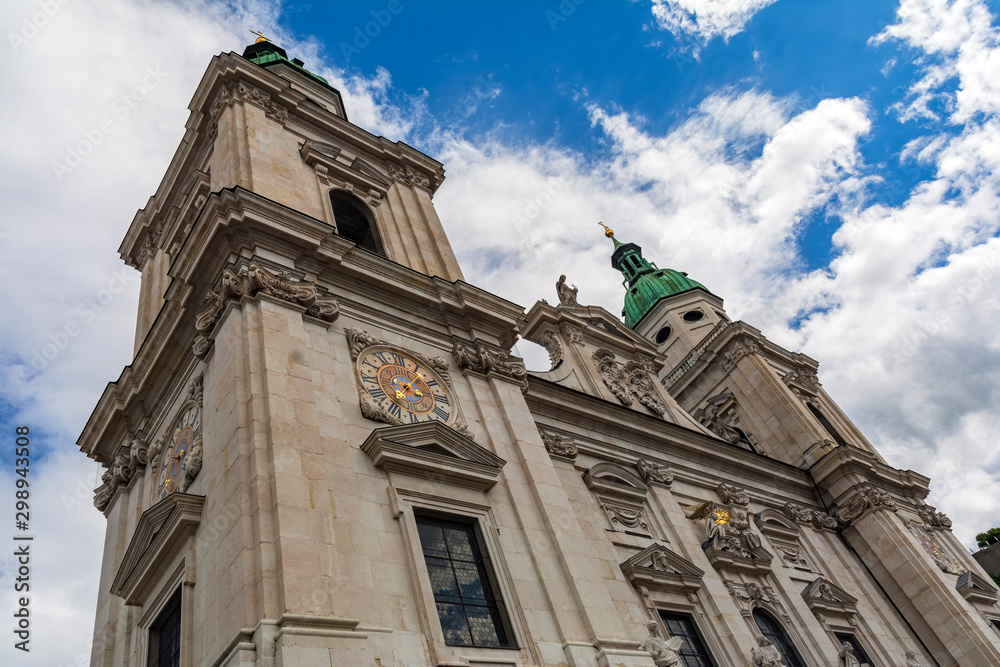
<point>440,413</point>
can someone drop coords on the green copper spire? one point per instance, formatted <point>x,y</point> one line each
<point>266,54</point>
<point>646,283</point>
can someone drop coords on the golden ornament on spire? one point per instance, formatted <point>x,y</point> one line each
<point>607,230</point>
<point>260,37</point>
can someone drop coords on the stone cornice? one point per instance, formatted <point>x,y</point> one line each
<point>845,467</point>
<point>235,221</point>
<point>546,316</point>
<point>715,352</point>
<point>229,69</point>
<point>557,407</point>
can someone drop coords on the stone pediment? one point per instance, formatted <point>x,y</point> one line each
<point>976,588</point>
<point>159,536</point>
<point>657,567</point>
<point>615,480</point>
<point>362,176</point>
<point>827,598</point>
<point>434,451</point>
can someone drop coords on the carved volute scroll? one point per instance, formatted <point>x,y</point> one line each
<point>254,279</point>
<point>484,361</point>
<point>864,499</point>
<point>559,445</point>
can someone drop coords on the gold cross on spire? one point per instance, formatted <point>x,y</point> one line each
<point>607,230</point>
<point>260,37</point>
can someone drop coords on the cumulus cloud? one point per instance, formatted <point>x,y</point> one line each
<point>704,20</point>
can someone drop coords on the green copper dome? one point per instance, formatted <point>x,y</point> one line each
<point>267,54</point>
<point>646,283</point>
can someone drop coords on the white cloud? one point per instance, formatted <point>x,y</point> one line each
<point>703,20</point>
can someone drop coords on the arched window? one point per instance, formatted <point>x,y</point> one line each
<point>355,222</point>
<point>771,629</point>
<point>826,424</point>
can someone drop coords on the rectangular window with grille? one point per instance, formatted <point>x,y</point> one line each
<point>165,635</point>
<point>468,604</point>
<point>693,653</point>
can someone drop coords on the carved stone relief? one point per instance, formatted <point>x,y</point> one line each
<point>550,342</point>
<point>815,518</point>
<point>241,92</point>
<point>483,360</point>
<point>630,382</point>
<point>573,334</point>
<point>741,347</point>
<point>627,519</point>
<point>253,279</point>
<point>730,541</point>
<point>933,519</point>
<point>766,654</point>
<point>559,445</point>
<point>404,173</point>
<point>947,564</point>
<point>652,473</point>
<point>129,459</point>
<point>866,498</point>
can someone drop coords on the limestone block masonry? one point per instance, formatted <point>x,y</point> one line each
<point>324,453</point>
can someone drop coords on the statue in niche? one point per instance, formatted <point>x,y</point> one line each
<point>663,651</point>
<point>911,660</point>
<point>847,658</point>
<point>718,523</point>
<point>567,293</point>
<point>765,654</point>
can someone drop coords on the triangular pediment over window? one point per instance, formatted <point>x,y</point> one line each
<point>160,535</point>
<point>976,588</point>
<point>657,567</point>
<point>827,598</point>
<point>432,450</point>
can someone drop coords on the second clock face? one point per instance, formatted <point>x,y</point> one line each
<point>177,449</point>
<point>410,391</point>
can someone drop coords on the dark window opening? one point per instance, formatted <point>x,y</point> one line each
<point>996,624</point>
<point>826,424</point>
<point>662,335</point>
<point>776,635</point>
<point>165,635</point>
<point>693,316</point>
<point>354,221</point>
<point>693,653</point>
<point>471,613</point>
<point>859,653</point>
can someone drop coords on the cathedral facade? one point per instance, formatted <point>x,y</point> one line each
<point>324,454</point>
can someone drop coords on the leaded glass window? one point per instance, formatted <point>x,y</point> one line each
<point>771,629</point>
<point>693,653</point>
<point>471,612</point>
<point>859,652</point>
<point>165,636</point>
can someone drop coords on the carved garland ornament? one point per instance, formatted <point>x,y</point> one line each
<point>557,444</point>
<point>573,334</point>
<point>550,342</point>
<point>251,281</point>
<point>947,564</point>
<point>129,459</point>
<point>815,518</point>
<point>740,348</point>
<point>404,173</point>
<point>483,360</point>
<point>241,92</point>
<point>866,498</point>
<point>652,473</point>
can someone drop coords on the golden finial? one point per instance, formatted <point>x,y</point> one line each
<point>260,37</point>
<point>607,230</point>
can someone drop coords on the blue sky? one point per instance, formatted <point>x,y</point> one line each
<point>828,168</point>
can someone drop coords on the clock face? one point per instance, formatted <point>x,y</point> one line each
<point>410,390</point>
<point>185,434</point>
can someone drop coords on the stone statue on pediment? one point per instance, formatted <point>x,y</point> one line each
<point>567,293</point>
